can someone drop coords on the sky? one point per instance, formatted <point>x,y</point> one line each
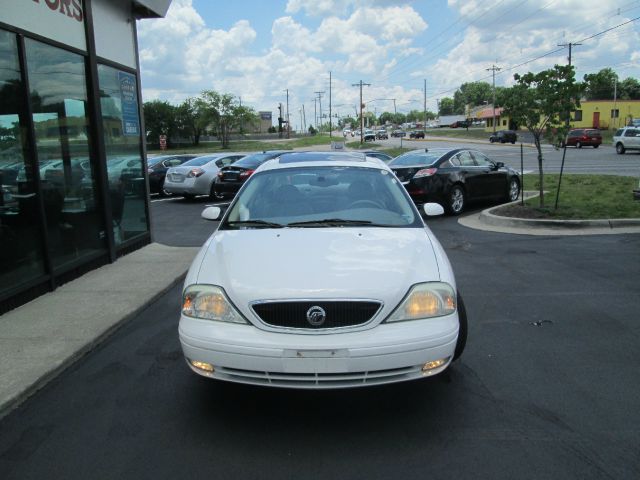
<point>258,49</point>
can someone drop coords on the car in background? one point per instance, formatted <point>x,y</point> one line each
<point>460,124</point>
<point>230,178</point>
<point>398,133</point>
<point>382,134</point>
<point>369,136</point>
<point>346,131</point>
<point>322,274</point>
<point>455,177</point>
<point>379,155</point>
<point>627,138</point>
<point>416,134</point>
<point>504,136</point>
<point>157,169</point>
<point>580,137</point>
<point>197,176</point>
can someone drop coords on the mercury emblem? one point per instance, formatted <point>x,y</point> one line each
<point>316,316</point>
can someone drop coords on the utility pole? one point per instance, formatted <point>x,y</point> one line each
<point>424,118</point>
<point>330,125</point>
<point>315,112</point>
<point>616,114</point>
<point>395,112</point>
<point>494,69</point>
<point>241,116</point>
<point>361,84</point>
<point>319,106</point>
<point>288,125</point>
<point>304,120</point>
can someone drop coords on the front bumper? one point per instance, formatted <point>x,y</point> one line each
<point>383,354</point>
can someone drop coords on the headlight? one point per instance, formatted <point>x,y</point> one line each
<point>209,302</point>
<point>426,300</point>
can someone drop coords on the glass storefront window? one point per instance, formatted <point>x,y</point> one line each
<point>59,104</point>
<point>121,125</point>
<point>21,244</point>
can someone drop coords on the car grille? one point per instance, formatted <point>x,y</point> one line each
<point>339,314</point>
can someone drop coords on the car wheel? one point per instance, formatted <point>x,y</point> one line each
<point>513,142</point>
<point>456,200</point>
<point>514,190</point>
<point>620,148</point>
<point>502,140</point>
<point>189,196</point>
<point>462,331</point>
<point>491,140</point>
<point>163,192</point>
<point>214,194</point>
<point>596,146</point>
<point>578,145</point>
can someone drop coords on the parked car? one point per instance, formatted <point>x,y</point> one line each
<point>230,178</point>
<point>321,274</point>
<point>579,137</point>
<point>504,136</point>
<point>379,155</point>
<point>627,138</point>
<point>455,177</point>
<point>382,135</point>
<point>197,176</point>
<point>460,124</point>
<point>398,133</point>
<point>157,169</point>
<point>369,136</point>
<point>416,134</point>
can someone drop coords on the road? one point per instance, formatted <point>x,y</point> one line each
<point>602,160</point>
<point>547,388</point>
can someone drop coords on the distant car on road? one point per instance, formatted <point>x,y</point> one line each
<point>398,133</point>
<point>382,135</point>
<point>627,138</point>
<point>460,124</point>
<point>455,177</point>
<point>369,136</point>
<point>580,137</point>
<point>416,134</point>
<point>504,136</point>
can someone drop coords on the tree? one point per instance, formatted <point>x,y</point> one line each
<point>192,118</point>
<point>346,122</point>
<point>159,119</point>
<point>419,116</point>
<point>629,89</point>
<point>446,106</point>
<point>541,102</point>
<point>225,114</point>
<point>601,85</point>
<point>472,94</point>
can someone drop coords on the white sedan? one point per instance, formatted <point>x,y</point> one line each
<point>321,274</point>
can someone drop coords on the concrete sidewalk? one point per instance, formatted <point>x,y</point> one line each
<point>40,339</point>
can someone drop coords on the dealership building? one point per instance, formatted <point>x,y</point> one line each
<point>73,183</point>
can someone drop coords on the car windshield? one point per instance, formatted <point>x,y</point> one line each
<point>316,197</point>
<point>199,161</point>
<point>417,158</point>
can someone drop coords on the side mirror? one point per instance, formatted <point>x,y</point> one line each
<point>499,165</point>
<point>432,209</point>
<point>211,213</point>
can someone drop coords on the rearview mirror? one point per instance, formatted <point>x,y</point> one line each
<point>211,213</point>
<point>432,209</point>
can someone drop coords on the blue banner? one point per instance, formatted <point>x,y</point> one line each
<point>129,99</point>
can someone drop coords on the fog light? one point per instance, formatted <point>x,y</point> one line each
<point>207,367</point>
<point>428,367</point>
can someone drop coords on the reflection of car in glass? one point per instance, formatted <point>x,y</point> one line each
<point>157,169</point>
<point>197,176</point>
<point>504,136</point>
<point>379,155</point>
<point>455,177</point>
<point>579,137</point>
<point>230,178</point>
<point>627,138</point>
<point>322,274</point>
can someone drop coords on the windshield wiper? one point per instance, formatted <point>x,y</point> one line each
<point>330,222</point>
<point>255,223</point>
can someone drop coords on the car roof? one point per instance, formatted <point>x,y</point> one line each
<point>333,158</point>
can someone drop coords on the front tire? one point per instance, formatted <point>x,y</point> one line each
<point>163,192</point>
<point>456,202</point>
<point>596,146</point>
<point>462,331</point>
<point>514,190</point>
<point>215,195</point>
<point>620,149</point>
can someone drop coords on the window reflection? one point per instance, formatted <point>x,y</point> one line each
<point>59,99</point>
<point>118,100</point>
<point>20,249</point>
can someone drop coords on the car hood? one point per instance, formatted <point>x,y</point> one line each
<point>309,263</point>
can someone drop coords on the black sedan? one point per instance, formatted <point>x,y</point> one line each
<point>232,177</point>
<point>157,169</point>
<point>455,177</point>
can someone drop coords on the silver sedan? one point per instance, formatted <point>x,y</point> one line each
<point>196,176</point>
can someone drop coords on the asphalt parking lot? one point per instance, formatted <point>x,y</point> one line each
<point>547,388</point>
